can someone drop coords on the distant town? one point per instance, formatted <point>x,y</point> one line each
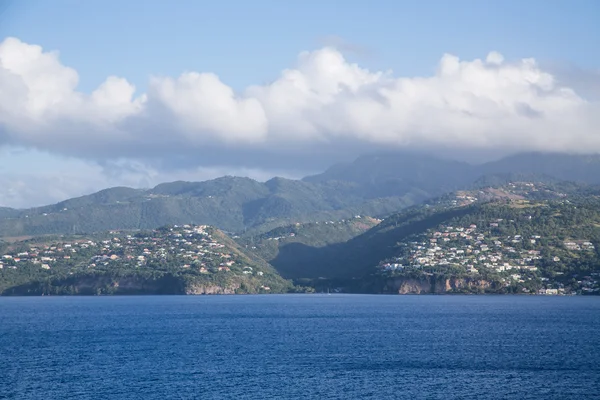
<point>186,247</point>
<point>516,258</point>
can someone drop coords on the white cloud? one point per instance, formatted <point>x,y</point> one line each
<point>40,106</point>
<point>467,104</point>
<point>201,103</point>
<point>322,105</point>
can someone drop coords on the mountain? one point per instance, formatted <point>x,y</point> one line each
<point>232,204</point>
<point>431,174</point>
<point>6,212</point>
<point>524,237</point>
<point>170,260</point>
<point>374,185</point>
<point>402,174</point>
<point>564,167</point>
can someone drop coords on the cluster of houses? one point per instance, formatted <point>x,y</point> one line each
<point>514,191</point>
<point>580,245</point>
<point>43,255</point>
<point>187,246</point>
<point>463,200</point>
<point>589,285</point>
<point>472,249</point>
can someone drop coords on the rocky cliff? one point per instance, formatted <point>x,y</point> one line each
<point>437,285</point>
<point>136,284</point>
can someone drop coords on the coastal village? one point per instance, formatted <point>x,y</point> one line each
<point>485,246</point>
<point>516,258</point>
<point>185,247</point>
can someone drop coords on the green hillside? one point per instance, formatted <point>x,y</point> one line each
<point>525,245</point>
<point>299,236</point>
<point>232,204</point>
<point>170,260</point>
<point>505,237</point>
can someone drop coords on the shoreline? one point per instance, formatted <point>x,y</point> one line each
<point>301,294</point>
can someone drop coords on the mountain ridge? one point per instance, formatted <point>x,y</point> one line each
<point>374,185</point>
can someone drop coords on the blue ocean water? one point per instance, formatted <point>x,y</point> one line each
<point>300,346</point>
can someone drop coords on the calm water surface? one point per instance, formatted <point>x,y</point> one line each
<point>300,346</point>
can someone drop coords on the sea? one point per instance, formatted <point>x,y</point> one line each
<point>309,346</point>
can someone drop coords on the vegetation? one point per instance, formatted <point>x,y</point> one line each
<point>232,204</point>
<point>372,185</point>
<point>173,260</point>
<point>314,234</point>
<point>518,238</point>
<point>525,246</point>
<point>504,237</point>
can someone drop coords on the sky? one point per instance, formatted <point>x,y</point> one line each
<point>95,94</point>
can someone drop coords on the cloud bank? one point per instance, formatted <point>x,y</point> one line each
<point>323,99</point>
<point>322,106</point>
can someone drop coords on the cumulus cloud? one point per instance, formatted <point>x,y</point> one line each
<point>201,104</point>
<point>482,103</point>
<point>40,91</point>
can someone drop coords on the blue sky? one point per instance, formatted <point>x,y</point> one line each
<point>199,126</point>
<point>250,42</point>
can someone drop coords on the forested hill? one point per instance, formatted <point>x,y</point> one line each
<point>230,203</point>
<point>516,242</point>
